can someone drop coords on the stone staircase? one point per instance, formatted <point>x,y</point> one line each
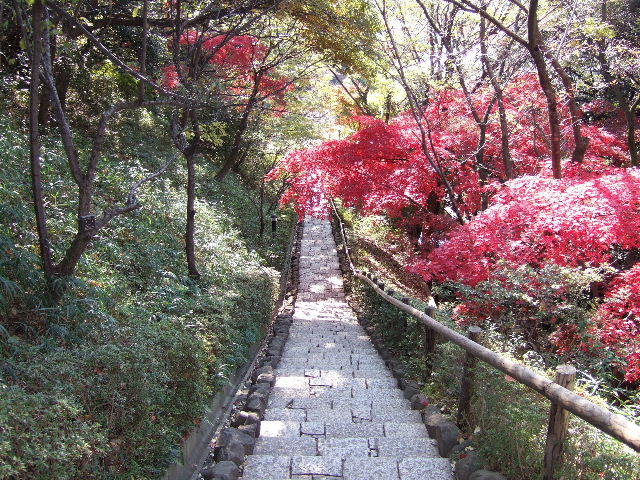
<point>335,411</point>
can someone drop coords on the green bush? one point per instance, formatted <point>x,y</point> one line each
<point>531,302</point>
<point>46,437</point>
<point>512,425</point>
<point>144,384</point>
<point>133,348</point>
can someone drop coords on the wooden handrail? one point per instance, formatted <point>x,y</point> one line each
<point>604,420</point>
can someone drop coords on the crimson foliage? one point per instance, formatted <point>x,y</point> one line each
<point>239,63</point>
<point>533,220</point>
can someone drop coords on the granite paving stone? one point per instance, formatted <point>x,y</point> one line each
<point>286,446</point>
<point>403,430</point>
<point>369,468</point>
<point>355,430</point>
<point>292,382</point>
<point>311,402</point>
<point>279,428</point>
<point>423,468</point>
<point>325,465</point>
<point>328,415</point>
<point>386,415</point>
<point>405,447</point>
<point>344,447</point>
<point>381,383</point>
<point>378,394</point>
<point>325,382</point>
<point>312,428</point>
<point>267,467</point>
<point>285,414</point>
<point>361,412</point>
<point>382,402</point>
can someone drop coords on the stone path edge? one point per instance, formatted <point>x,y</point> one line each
<point>236,440</point>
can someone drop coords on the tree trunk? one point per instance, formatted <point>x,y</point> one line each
<point>191,215</point>
<point>261,206</point>
<point>143,51</point>
<point>483,172</point>
<point>234,153</point>
<point>628,107</point>
<point>581,142</point>
<point>34,142</point>
<point>502,114</point>
<point>547,87</point>
<point>425,136</point>
<point>44,113</point>
<point>387,108</point>
<point>63,79</point>
<point>507,160</point>
<point>79,245</point>
<point>631,115</point>
<point>44,108</point>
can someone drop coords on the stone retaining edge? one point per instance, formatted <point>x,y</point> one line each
<point>198,447</point>
<point>236,436</point>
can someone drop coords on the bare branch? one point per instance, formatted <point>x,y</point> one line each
<point>143,51</point>
<point>469,6</point>
<point>348,92</point>
<point>131,198</point>
<point>117,61</point>
<point>73,157</point>
<point>132,202</point>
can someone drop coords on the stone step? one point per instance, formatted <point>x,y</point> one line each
<point>302,382</point>
<point>377,447</point>
<point>336,403</point>
<point>369,374</point>
<point>286,446</point>
<point>318,364</point>
<point>348,447</point>
<point>361,355</point>
<point>332,363</point>
<point>358,395</point>
<point>302,338</point>
<point>303,378</point>
<point>295,429</point>
<point>356,414</point>
<point>335,411</point>
<point>343,358</point>
<point>355,387</point>
<point>329,336</point>
<point>272,467</point>
<point>329,348</point>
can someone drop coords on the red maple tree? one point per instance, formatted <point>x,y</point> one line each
<point>577,221</point>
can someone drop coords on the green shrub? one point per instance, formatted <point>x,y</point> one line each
<point>143,383</point>
<point>134,347</point>
<point>46,437</point>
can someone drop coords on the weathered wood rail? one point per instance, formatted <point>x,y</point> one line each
<point>615,425</point>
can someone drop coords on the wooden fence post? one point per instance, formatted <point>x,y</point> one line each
<point>558,424</point>
<point>405,324</point>
<point>429,344</point>
<point>466,386</point>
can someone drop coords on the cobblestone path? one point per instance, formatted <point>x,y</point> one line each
<point>335,411</point>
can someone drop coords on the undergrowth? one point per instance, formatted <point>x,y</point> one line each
<point>105,382</point>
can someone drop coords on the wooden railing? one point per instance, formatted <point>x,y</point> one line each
<point>562,398</point>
